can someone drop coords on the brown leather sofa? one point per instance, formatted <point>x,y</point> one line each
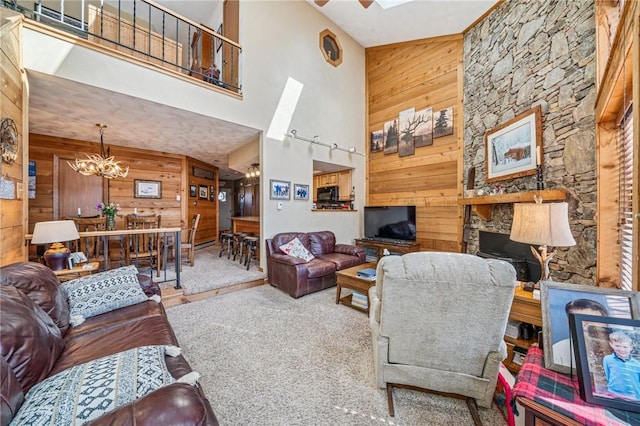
<point>31,299</point>
<point>297,277</point>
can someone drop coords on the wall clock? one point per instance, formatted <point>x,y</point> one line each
<point>8,140</point>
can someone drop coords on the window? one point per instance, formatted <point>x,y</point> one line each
<point>330,47</point>
<point>625,216</point>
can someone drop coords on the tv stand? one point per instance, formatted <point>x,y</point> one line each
<point>394,247</point>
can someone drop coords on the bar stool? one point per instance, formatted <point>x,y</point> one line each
<point>251,247</point>
<point>243,248</point>
<point>237,243</point>
<point>226,243</point>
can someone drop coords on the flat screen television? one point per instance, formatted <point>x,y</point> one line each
<point>390,222</point>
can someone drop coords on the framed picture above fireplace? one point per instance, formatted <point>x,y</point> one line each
<point>514,149</point>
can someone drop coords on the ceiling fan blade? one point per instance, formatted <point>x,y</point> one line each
<point>321,3</point>
<point>365,3</point>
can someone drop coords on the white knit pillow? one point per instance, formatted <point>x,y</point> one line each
<point>103,292</point>
<point>296,249</point>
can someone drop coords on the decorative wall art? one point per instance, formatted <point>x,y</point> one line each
<point>147,188</point>
<point>558,300</point>
<point>203,192</point>
<point>443,123</point>
<point>193,191</point>
<point>279,189</point>
<point>607,363</point>
<point>300,192</point>
<point>391,137</point>
<point>406,145</point>
<point>514,149</point>
<point>423,128</point>
<point>377,141</point>
<point>203,173</point>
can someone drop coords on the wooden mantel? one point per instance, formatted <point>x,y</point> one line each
<point>483,205</point>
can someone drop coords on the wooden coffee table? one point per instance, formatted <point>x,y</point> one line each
<point>348,278</point>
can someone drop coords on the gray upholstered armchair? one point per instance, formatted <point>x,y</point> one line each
<point>438,322</point>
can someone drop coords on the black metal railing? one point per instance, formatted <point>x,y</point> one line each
<point>147,31</point>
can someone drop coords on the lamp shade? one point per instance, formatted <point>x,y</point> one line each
<point>542,224</point>
<point>54,232</point>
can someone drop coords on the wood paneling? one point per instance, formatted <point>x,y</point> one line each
<point>618,50</point>
<point>419,74</point>
<point>208,209</point>
<point>12,99</point>
<point>143,164</point>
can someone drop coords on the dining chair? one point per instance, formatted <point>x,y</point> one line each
<point>144,246</point>
<point>92,247</point>
<point>187,245</point>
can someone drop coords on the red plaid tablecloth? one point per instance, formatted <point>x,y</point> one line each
<point>560,392</point>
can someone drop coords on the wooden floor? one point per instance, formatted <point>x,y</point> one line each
<point>173,297</point>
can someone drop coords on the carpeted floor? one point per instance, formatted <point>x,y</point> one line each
<point>269,359</point>
<point>210,272</point>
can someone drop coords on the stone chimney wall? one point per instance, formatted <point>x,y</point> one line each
<point>528,53</point>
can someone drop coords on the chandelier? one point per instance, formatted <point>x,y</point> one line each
<point>253,173</point>
<point>100,164</point>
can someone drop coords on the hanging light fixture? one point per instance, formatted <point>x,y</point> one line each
<point>253,173</point>
<point>100,164</point>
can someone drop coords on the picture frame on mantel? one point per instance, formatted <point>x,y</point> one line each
<point>514,149</point>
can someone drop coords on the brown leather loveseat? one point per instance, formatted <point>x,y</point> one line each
<point>37,343</point>
<point>298,277</point>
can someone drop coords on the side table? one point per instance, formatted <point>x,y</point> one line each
<point>348,278</point>
<point>551,398</point>
<point>77,271</point>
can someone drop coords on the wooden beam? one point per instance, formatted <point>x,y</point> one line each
<point>365,3</point>
<point>321,3</point>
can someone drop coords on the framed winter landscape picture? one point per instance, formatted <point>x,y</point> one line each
<point>514,149</point>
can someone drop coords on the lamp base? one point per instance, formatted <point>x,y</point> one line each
<point>57,256</point>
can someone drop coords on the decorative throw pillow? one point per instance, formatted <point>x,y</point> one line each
<point>103,292</point>
<point>87,391</point>
<point>296,249</point>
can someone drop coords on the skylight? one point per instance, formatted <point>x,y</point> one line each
<point>386,4</point>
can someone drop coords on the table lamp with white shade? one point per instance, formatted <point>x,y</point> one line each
<point>54,233</point>
<point>542,224</point>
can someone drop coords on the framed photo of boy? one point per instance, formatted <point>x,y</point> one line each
<point>607,351</point>
<point>514,149</point>
<point>559,300</point>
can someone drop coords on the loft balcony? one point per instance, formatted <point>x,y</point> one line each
<point>148,32</point>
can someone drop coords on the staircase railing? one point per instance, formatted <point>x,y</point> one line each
<point>149,32</point>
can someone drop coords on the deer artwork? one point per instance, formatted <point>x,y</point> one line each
<point>408,132</point>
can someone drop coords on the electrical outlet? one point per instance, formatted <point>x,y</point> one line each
<point>177,197</point>
<point>279,205</point>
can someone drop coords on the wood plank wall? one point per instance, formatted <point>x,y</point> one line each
<point>208,209</point>
<point>12,217</point>
<point>167,168</point>
<point>419,74</point>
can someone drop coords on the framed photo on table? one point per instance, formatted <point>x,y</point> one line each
<point>608,360</point>
<point>514,149</point>
<point>559,300</point>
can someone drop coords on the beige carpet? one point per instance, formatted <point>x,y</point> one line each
<point>269,359</point>
<point>210,272</point>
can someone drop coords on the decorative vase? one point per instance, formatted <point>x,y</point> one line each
<point>111,223</point>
